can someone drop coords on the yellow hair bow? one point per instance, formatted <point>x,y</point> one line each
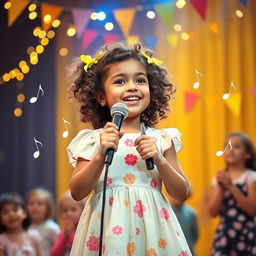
<point>87,59</point>
<point>153,61</point>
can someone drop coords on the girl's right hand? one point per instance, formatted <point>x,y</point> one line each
<point>109,138</point>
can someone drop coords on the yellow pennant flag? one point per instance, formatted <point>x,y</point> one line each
<point>53,10</point>
<point>132,39</point>
<point>16,9</point>
<point>234,103</point>
<point>173,39</point>
<point>125,17</point>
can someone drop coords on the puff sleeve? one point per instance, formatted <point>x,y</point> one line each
<point>169,135</point>
<point>84,145</point>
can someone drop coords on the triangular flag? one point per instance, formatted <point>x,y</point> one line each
<point>200,6</point>
<point>244,2</point>
<point>214,27</point>
<point>81,18</point>
<point>211,102</point>
<point>173,39</point>
<point>234,103</point>
<point>151,41</point>
<point>124,17</point>
<point>190,100</point>
<point>53,10</point>
<point>253,90</point>
<point>132,39</point>
<point>88,36</point>
<point>110,38</point>
<point>16,9</point>
<point>166,11</point>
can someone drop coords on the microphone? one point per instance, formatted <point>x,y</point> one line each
<point>119,112</point>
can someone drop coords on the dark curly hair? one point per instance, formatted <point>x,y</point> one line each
<point>86,86</point>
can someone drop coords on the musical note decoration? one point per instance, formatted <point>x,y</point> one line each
<point>197,83</point>
<point>34,99</point>
<point>66,133</point>
<point>220,153</point>
<point>227,95</point>
<point>36,154</point>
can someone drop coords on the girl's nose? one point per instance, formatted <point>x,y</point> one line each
<point>131,86</point>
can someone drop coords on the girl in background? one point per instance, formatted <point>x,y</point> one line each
<point>233,197</point>
<point>138,218</point>
<point>40,208</point>
<point>14,221</point>
<point>69,212</point>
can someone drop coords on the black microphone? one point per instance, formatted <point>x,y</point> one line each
<point>119,112</point>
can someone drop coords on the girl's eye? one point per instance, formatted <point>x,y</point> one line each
<point>141,81</point>
<point>120,81</point>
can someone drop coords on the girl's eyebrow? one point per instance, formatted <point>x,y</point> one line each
<point>125,74</point>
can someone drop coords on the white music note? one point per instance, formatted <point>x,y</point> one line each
<point>36,154</point>
<point>220,153</point>
<point>65,133</point>
<point>197,84</point>
<point>34,99</point>
<point>227,95</point>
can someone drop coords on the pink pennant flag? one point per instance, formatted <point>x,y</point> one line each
<point>81,18</point>
<point>88,36</point>
<point>190,100</point>
<point>200,6</point>
<point>253,90</point>
<point>110,38</point>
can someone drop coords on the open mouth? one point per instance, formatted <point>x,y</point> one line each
<point>132,98</point>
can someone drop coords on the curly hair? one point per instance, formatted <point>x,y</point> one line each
<point>86,86</point>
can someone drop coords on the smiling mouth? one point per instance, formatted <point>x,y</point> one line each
<point>132,98</point>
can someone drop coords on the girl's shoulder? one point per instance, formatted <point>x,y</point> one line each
<point>85,144</point>
<point>250,176</point>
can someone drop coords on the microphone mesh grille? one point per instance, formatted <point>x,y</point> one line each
<point>119,108</point>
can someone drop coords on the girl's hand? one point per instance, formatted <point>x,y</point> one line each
<point>109,138</point>
<point>147,148</point>
<point>69,226</point>
<point>224,179</point>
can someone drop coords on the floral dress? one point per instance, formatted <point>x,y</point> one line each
<point>138,218</point>
<point>236,232</point>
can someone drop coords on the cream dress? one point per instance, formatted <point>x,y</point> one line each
<point>138,218</point>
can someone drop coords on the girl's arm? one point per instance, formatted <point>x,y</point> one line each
<point>87,173</point>
<point>2,253</point>
<point>216,200</point>
<point>59,245</point>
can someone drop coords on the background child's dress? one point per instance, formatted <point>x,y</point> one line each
<point>138,218</point>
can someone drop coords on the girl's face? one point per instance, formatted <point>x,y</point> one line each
<point>70,210</point>
<point>12,216</point>
<point>37,208</point>
<point>126,82</point>
<point>238,153</point>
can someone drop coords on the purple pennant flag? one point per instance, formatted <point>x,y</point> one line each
<point>151,42</point>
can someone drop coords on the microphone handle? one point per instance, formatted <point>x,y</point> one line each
<point>149,163</point>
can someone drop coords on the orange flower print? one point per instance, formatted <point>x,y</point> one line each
<point>126,202</point>
<point>129,178</point>
<point>117,230</point>
<point>183,253</point>
<point>129,142</point>
<point>151,252</point>
<point>131,248</point>
<point>130,159</point>
<point>161,243</point>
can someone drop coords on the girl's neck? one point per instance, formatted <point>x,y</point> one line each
<point>238,167</point>
<point>15,232</point>
<point>131,125</point>
<point>38,221</point>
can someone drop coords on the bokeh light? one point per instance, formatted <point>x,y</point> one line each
<point>21,97</point>
<point>17,112</point>
<point>56,23</point>
<point>71,31</point>
<point>184,36</point>
<point>180,4</point>
<point>32,15</point>
<point>94,16</point>
<point>151,14</point>
<point>50,34</point>
<point>239,13</point>
<point>63,51</point>
<point>40,49</point>
<point>7,5</point>
<point>109,26</point>
<point>101,16</point>
<point>177,27</point>
<point>47,18</point>
<point>32,7</point>
<point>44,41</point>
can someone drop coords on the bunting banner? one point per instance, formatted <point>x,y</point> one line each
<point>190,100</point>
<point>125,18</point>
<point>53,10</point>
<point>81,18</point>
<point>234,103</point>
<point>214,27</point>
<point>150,42</point>
<point>110,38</point>
<point>173,40</point>
<point>88,36</point>
<point>200,6</point>
<point>16,9</point>
<point>166,13</point>
<point>132,39</point>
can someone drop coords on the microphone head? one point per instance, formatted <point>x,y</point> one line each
<point>120,108</point>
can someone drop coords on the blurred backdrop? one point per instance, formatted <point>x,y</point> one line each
<point>207,45</point>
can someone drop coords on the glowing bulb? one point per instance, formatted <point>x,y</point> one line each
<point>177,27</point>
<point>56,23</point>
<point>239,14</point>
<point>47,18</point>
<point>151,14</point>
<point>101,15</point>
<point>109,26</point>
<point>94,16</point>
<point>71,31</point>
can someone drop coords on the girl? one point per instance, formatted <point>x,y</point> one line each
<point>14,237</point>
<point>138,218</point>
<point>234,199</point>
<point>40,209</point>
<point>69,211</point>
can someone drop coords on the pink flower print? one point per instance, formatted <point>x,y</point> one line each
<point>177,233</point>
<point>129,178</point>
<point>139,208</point>
<point>137,231</point>
<point>110,201</point>
<point>153,183</point>
<point>183,253</point>
<point>117,230</point>
<point>130,159</point>
<point>129,142</point>
<point>93,243</point>
<point>151,252</point>
<point>109,181</point>
<point>237,225</point>
<point>164,214</point>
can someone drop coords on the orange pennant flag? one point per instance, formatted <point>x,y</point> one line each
<point>53,10</point>
<point>16,9</point>
<point>125,18</point>
<point>190,100</point>
<point>234,103</point>
<point>132,39</point>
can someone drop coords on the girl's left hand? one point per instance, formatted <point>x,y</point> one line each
<point>147,148</point>
<point>224,178</point>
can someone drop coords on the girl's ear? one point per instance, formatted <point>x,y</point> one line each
<point>101,99</point>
